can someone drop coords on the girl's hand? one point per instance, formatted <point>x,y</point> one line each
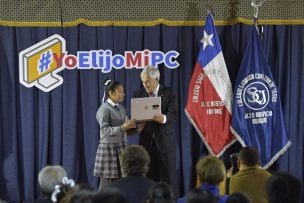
<point>129,124</point>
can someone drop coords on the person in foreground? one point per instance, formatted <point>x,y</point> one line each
<point>251,178</point>
<point>134,161</point>
<point>283,187</point>
<point>114,127</point>
<point>109,195</point>
<point>211,172</point>
<point>157,136</point>
<point>48,178</point>
<point>200,196</point>
<point>238,197</point>
<point>160,193</point>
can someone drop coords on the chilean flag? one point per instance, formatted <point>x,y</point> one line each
<point>209,101</point>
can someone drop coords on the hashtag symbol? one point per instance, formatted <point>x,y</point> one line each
<point>45,61</point>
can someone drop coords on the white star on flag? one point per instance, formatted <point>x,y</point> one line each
<point>207,40</point>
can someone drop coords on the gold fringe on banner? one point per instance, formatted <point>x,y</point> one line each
<point>66,13</point>
<point>153,23</point>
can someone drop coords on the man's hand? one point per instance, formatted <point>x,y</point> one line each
<point>158,118</point>
<point>129,124</point>
<point>229,172</point>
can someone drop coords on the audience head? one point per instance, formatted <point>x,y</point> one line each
<point>211,170</point>
<point>83,187</point>
<point>237,197</point>
<point>248,156</point>
<point>110,195</point>
<point>160,193</point>
<point>83,196</point>
<point>63,191</point>
<point>50,176</point>
<point>200,196</point>
<point>150,78</point>
<point>134,160</point>
<point>283,187</point>
<point>79,193</point>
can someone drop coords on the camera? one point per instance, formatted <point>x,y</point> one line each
<point>234,165</point>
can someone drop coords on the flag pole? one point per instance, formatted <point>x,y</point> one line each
<point>210,9</point>
<point>256,7</point>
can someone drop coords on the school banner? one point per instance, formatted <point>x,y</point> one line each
<point>257,114</point>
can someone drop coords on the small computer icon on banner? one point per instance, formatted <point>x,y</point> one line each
<point>37,66</point>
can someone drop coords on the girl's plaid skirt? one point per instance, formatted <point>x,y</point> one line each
<point>107,163</point>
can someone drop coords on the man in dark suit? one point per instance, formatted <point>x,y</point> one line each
<point>158,136</point>
<point>134,161</point>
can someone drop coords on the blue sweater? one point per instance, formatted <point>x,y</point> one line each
<point>110,121</point>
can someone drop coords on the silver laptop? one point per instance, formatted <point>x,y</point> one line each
<point>143,109</point>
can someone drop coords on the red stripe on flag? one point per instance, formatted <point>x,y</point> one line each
<point>207,113</point>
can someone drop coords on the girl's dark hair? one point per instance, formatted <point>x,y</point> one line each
<point>64,190</point>
<point>110,195</point>
<point>110,85</point>
<point>283,187</point>
<point>238,197</point>
<point>82,196</point>
<point>160,193</point>
<point>200,195</point>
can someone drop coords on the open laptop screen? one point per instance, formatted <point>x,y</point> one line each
<point>145,108</point>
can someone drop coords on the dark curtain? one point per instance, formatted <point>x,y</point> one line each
<point>59,127</point>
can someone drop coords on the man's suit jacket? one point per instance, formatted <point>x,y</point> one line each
<point>163,133</point>
<point>134,187</point>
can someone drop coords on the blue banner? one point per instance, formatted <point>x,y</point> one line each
<point>257,117</point>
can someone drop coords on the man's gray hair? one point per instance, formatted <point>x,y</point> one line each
<point>151,71</point>
<point>49,177</point>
